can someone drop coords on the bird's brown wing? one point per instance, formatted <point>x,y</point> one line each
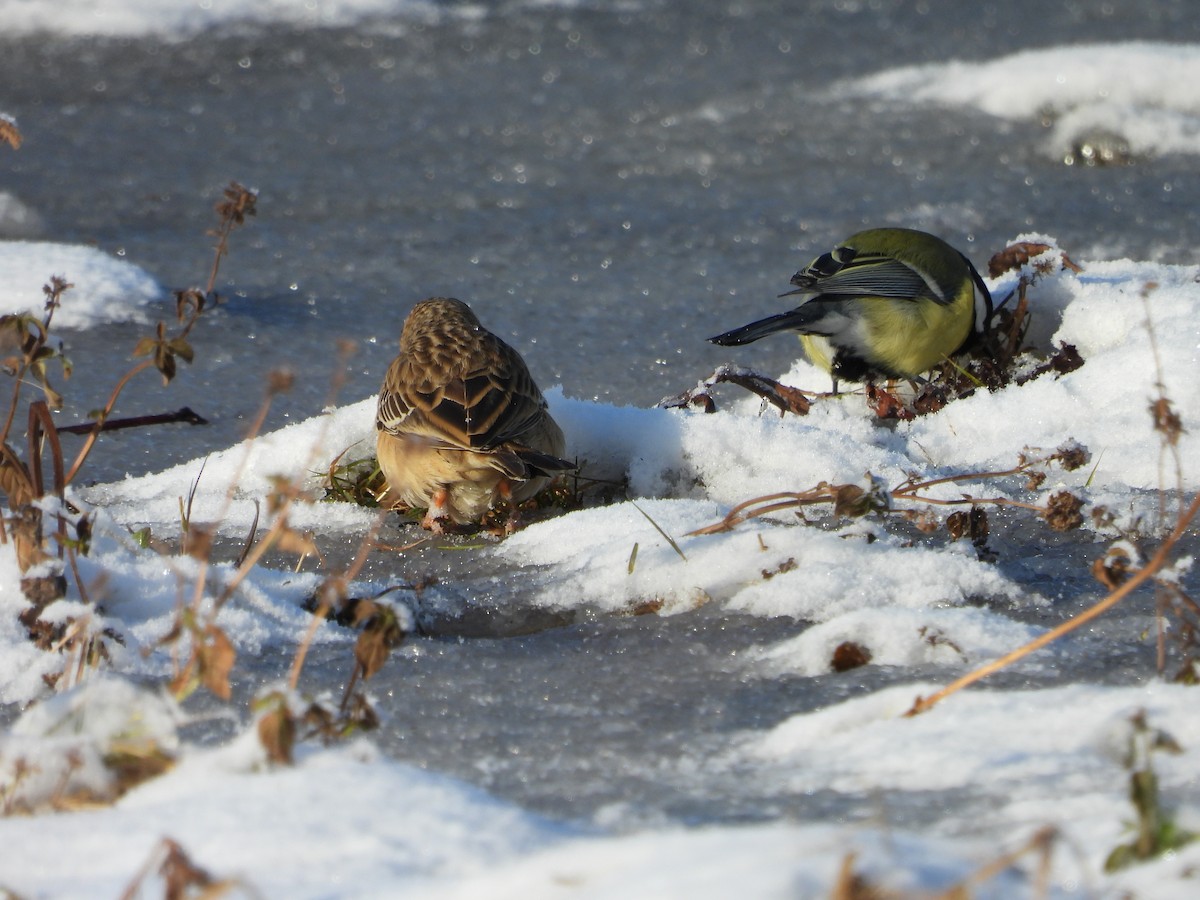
<point>474,399</point>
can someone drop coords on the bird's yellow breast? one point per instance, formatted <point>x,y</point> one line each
<point>900,337</point>
<point>818,350</point>
<point>913,337</point>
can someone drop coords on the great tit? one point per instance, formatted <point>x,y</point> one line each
<point>886,302</point>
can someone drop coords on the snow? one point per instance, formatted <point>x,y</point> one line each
<point>834,573</point>
<point>118,18</point>
<point>1141,91</point>
<point>104,288</point>
<point>915,637</point>
<point>1106,318</point>
<point>175,19</point>
<point>454,829</point>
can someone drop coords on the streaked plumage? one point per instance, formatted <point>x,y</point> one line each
<point>887,302</point>
<point>460,421</point>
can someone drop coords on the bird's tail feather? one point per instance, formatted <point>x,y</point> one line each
<point>542,463</point>
<point>800,319</point>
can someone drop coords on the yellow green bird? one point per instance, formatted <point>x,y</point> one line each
<point>886,302</point>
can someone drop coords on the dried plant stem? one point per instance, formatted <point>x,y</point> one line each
<point>748,509</point>
<point>846,498</point>
<point>185,415</point>
<point>12,408</point>
<point>774,503</point>
<point>670,540</point>
<point>1018,320</point>
<point>1169,445</point>
<point>249,559</point>
<point>318,617</point>
<point>90,440</point>
<point>968,500</point>
<point>783,397</point>
<point>279,526</point>
<point>1041,842</point>
<point>239,203</point>
<point>360,559</point>
<point>1153,565</point>
<point>19,378</point>
<point>910,487</point>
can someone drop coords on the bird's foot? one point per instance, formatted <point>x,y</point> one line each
<point>504,518</point>
<point>438,518</point>
<point>437,524</point>
<point>445,525</point>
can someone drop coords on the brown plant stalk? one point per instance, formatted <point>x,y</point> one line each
<point>279,534</point>
<point>1155,563</point>
<point>239,202</point>
<point>908,490</point>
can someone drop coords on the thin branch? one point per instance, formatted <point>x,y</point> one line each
<point>783,397</point>
<point>774,503</point>
<point>360,558</point>
<point>1155,563</point>
<point>828,494</point>
<point>19,376</point>
<point>90,441</point>
<point>184,414</point>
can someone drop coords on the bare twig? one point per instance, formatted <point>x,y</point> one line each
<point>90,442</point>
<point>1155,563</point>
<point>846,498</point>
<point>162,351</point>
<point>239,202</point>
<point>783,397</point>
<point>185,415</point>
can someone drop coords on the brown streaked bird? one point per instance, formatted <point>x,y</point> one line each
<point>460,422</point>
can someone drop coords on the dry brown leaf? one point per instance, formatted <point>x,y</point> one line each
<point>9,133</point>
<point>382,633</point>
<point>277,732</point>
<point>299,542</point>
<point>849,655</point>
<point>1019,254</point>
<point>1063,511</point>
<point>1112,569</point>
<point>216,657</point>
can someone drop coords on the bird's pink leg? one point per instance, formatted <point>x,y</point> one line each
<point>437,517</point>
